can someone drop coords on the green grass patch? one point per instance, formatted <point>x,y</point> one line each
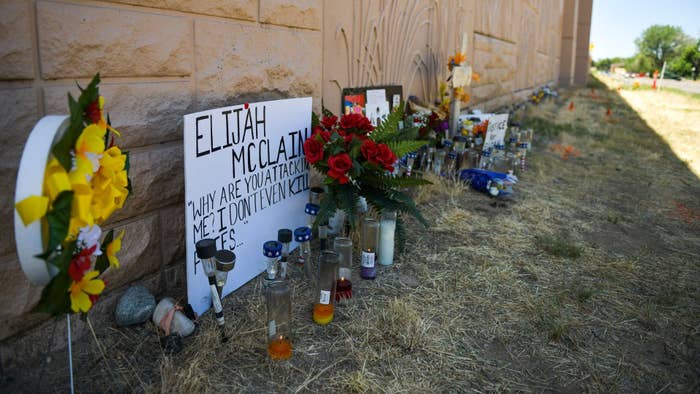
<point>559,247</point>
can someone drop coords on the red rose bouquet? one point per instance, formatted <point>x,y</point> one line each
<point>358,160</point>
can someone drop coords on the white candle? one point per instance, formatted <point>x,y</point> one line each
<point>386,242</point>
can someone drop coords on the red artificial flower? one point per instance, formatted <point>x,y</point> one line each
<point>339,165</point>
<point>329,121</point>
<point>93,111</point>
<point>81,263</point>
<point>356,121</point>
<point>318,130</point>
<point>386,157</point>
<point>313,149</point>
<point>370,151</point>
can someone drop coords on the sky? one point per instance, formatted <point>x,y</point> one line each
<point>616,23</point>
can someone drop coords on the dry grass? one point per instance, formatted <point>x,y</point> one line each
<point>586,281</point>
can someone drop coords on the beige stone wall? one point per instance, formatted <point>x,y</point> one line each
<point>161,59</point>
<point>513,44</point>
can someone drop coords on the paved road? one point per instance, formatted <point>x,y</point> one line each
<point>687,85</point>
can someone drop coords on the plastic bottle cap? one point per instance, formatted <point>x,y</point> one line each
<point>302,234</point>
<point>460,138</point>
<point>311,209</point>
<point>452,155</point>
<point>206,248</point>
<point>272,249</point>
<point>412,155</point>
<point>284,235</point>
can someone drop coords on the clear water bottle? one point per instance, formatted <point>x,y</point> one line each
<point>485,162</point>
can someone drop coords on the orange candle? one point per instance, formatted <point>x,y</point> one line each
<point>323,313</point>
<point>279,349</point>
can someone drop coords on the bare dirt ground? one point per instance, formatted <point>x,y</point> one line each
<point>587,281</point>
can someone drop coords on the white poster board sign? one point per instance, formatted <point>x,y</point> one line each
<point>496,131</point>
<point>245,178</point>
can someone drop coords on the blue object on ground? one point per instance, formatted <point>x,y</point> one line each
<point>489,182</point>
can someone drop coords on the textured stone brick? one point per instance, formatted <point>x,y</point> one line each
<point>78,41</point>
<point>19,293</point>
<point>172,227</point>
<point>140,253</point>
<point>19,113</point>
<point>494,61</point>
<point>16,61</point>
<point>301,13</point>
<point>236,9</point>
<point>144,113</point>
<point>157,178</point>
<point>278,63</point>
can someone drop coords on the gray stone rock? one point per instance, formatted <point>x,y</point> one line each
<point>135,306</point>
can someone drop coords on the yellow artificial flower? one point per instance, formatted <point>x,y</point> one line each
<point>91,140</point>
<point>109,184</point>
<point>81,291</point>
<point>32,208</point>
<point>55,179</point>
<point>112,249</point>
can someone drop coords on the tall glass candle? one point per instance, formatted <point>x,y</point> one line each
<point>284,236</point>
<point>439,160</point>
<point>279,320</point>
<point>410,161</point>
<point>315,194</point>
<point>325,287</point>
<point>311,210</point>
<point>343,291</point>
<point>387,229</point>
<point>303,236</point>
<point>272,250</point>
<point>370,240</point>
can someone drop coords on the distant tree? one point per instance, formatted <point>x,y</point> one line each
<point>604,64</point>
<point>688,58</point>
<point>640,64</point>
<point>661,43</point>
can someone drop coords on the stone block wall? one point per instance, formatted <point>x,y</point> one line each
<point>161,59</point>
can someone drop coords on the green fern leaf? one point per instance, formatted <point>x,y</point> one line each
<point>401,148</point>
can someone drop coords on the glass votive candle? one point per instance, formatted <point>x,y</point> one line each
<point>387,229</point>
<point>325,287</point>
<point>343,290</point>
<point>370,240</point>
<point>279,320</point>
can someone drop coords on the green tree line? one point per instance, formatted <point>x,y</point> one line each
<point>659,44</point>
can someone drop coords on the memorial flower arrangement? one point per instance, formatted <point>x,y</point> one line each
<point>86,179</point>
<point>357,160</point>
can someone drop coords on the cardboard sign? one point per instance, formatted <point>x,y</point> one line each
<point>496,131</point>
<point>245,178</point>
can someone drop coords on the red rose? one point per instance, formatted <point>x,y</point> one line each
<point>339,165</point>
<point>325,135</point>
<point>329,121</point>
<point>356,121</point>
<point>386,157</point>
<point>370,151</point>
<point>313,149</point>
